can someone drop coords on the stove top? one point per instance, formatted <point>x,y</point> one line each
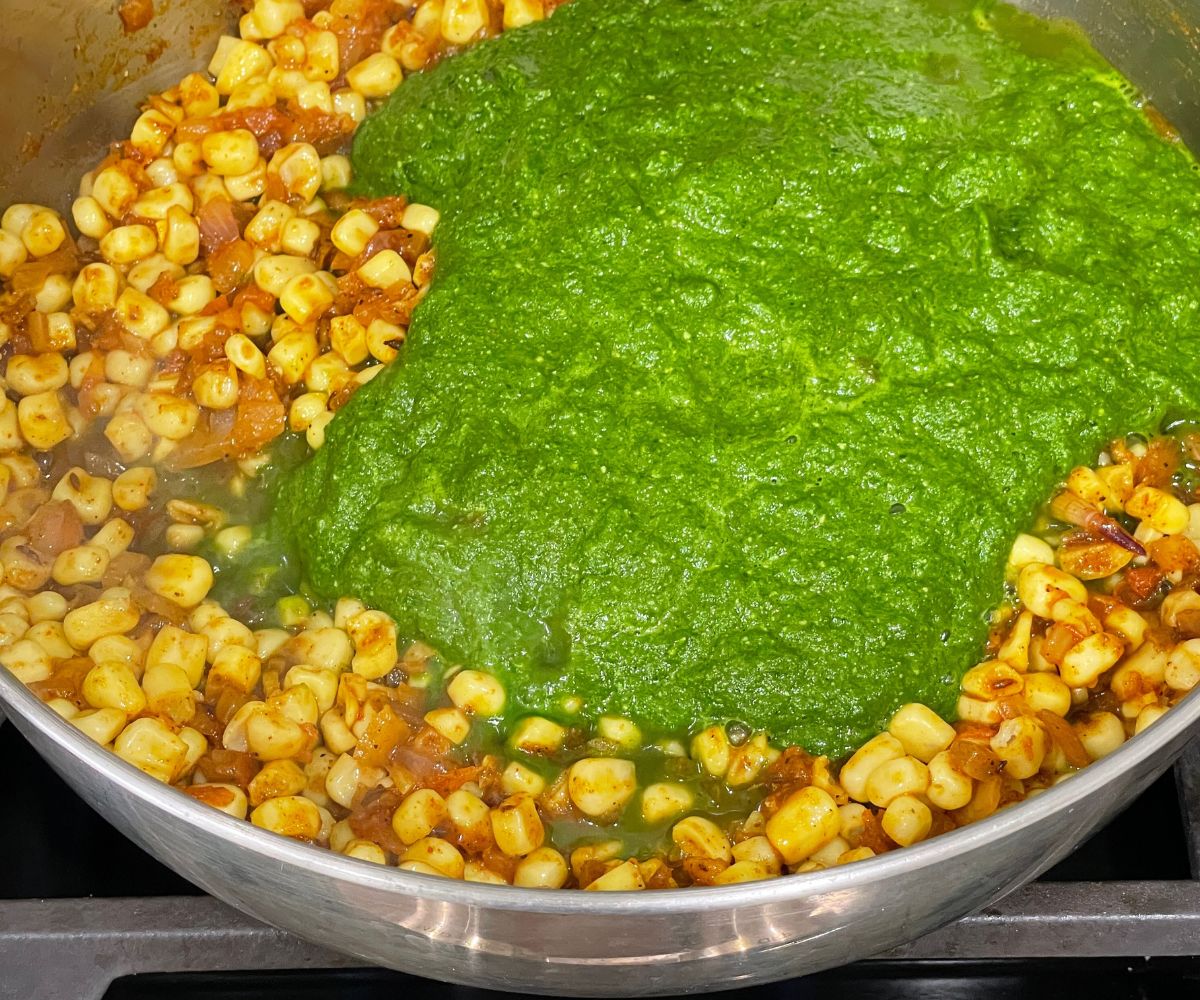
<point>86,915</point>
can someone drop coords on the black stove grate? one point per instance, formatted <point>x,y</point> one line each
<point>86,915</point>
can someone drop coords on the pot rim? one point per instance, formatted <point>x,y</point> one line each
<point>19,702</point>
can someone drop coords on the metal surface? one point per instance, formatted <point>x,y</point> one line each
<point>576,943</point>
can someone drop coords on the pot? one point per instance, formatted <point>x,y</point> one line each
<point>574,943</point>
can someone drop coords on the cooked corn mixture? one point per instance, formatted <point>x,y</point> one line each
<point>215,298</point>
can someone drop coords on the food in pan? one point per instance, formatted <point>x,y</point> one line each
<point>628,510</point>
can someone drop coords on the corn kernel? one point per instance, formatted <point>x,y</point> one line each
<point>151,747</point>
<point>601,786</point>
<point>807,820</point>
<point>477,693</point>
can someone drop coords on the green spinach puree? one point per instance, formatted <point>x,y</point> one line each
<point>759,328</point>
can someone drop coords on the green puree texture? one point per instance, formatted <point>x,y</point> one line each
<point>759,329</point>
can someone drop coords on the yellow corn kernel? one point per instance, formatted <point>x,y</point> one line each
<point>710,748</point>
<point>543,868</point>
<point>197,747</point>
<point>600,787</point>
<point>626,876</point>
<point>315,434</point>
<point>893,778</point>
<point>807,820</point>
<point>353,231</point>
<point>452,723</point>
<point>229,799</point>
<point>420,218</point>
<point>921,731</point>
<point>1182,670</point>
<point>1158,509</point>
<point>293,353</point>
<point>346,778</point>
<point>437,855</point>
<point>383,340</point>
<point>1047,692</point>
<point>1040,586</point>
<point>236,61</point>
<point>91,496</point>
<point>175,647</point>
<point>12,253</point>
<point>322,683</point>
<point>265,230</point>
<point>1100,733</point>
<point>297,703</point>
<point>192,295</point>
<point>1027,550</point>
<point>151,133</point>
<point>80,564</point>
<point>140,314</point>
<point>102,724</point>
<point>47,606</point>
<point>28,374</point>
<point>418,815</point>
<point>306,297</point>
<point>336,173</point>
<point>758,849</point>
<point>277,778</point>
<point>518,13</point>
<point>971,709</point>
<point>477,693</point>
<point>234,666</point>
<point>54,295</point>
<point>992,680</point>
<point>290,816</point>
<point>185,580</point>
<point>385,269</point>
<point>151,747</point>
<point>113,614</point>
<point>516,777</point>
<point>250,185</point>
<point>536,735</point>
<point>96,288</point>
<point>216,386</point>
<point>27,661</point>
<point>299,237</point>
<point>270,735</point>
<point>374,636</point>
<point>246,356</point>
<point>327,373</point>
<point>1088,659</point>
<point>857,770</point>
<point>365,850</point>
<point>325,647</point>
<point>698,837</point>
<point>1148,715</point>
<point>1022,744</point>
<point>169,692</point>
<point>516,825</point>
<point>907,820</point>
<point>297,167</point>
<point>157,202</point>
<point>43,420</point>
<point>89,218</point>
<point>376,76</point>
<point>321,60</point>
<point>43,233</point>
<point>128,244</point>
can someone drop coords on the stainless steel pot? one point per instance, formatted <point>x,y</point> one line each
<point>569,943</point>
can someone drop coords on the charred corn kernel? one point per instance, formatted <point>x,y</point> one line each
<point>710,748</point>
<point>374,636</point>
<point>89,218</point>
<point>1182,671</point>
<point>1158,509</point>
<point>297,167</point>
<point>168,416</point>
<point>43,420</point>
<point>1022,744</point>
<point>618,731</point>
<point>235,667</point>
<point>536,735</point>
<point>1147,716</point>
<point>1040,586</point>
<point>12,253</point>
<point>418,815</point>
<point>857,770</point>
<point>1028,550</point>
<point>48,606</point>
<point>383,340</point>
<point>289,816</point>
<point>1047,692</point>
<point>300,236</point>
<point>420,218</point>
<point>43,233</point>
<point>169,692</point>
<point>216,386</point>
<point>385,269</point>
<point>277,778</point>
<point>113,685</point>
<point>229,799</point>
<point>336,173</point>
<point>140,314</point>
<point>477,693</point>
<point>1100,733</point>
<point>516,825</point>
<point>102,724</point>
<point>270,735</point>
<point>375,76</point>
<point>113,614</point>
<point>128,244</point>
<point>452,723</point>
<point>175,647</point>
<point>28,374</point>
<point>353,231</point>
<point>519,778</point>
<point>96,288</point>
<point>907,820</point>
<point>91,496</point>
<point>625,877</point>
<point>921,731</point>
<point>439,855</point>
<point>27,662</point>
<point>306,297</point>
<point>80,564</point>
<point>248,186</point>
<point>893,778</point>
<point>246,356</point>
<point>518,13</point>
<point>807,820</point>
<point>185,580</point>
<point>600,787</point>
<point>543,868</point>
<point>1088,659</point>
<point>151,747</point>
<point>698,837</point>
<point>189,334</point>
